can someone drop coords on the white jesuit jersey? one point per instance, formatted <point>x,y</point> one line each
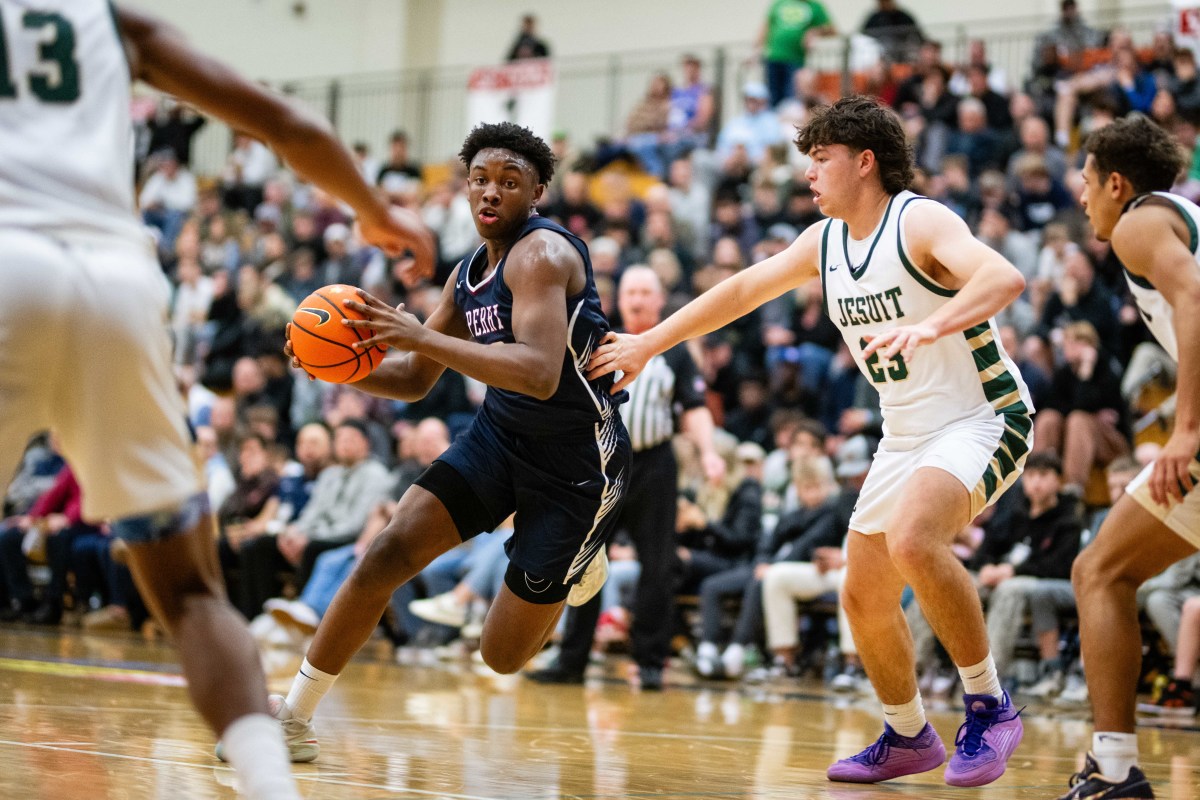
<point>1154,308</point>
<point>66,140</point>
<point>871,287</point>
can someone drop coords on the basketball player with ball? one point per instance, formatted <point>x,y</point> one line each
<point>83,345</point>
<point>522,315</point>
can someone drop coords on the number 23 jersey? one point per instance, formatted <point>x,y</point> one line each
<point>872,287</point>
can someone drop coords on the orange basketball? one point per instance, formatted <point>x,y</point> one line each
<point>323,344</point>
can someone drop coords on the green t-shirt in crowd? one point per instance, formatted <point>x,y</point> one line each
<point>787,22</point>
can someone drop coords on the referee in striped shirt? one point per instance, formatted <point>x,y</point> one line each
<point>669,390</point>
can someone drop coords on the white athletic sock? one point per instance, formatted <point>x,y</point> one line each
<point>1115,753</point>
<point>254,746</point>
<point>308,688</point>
<point>907,719</point>
<point>981,678</point>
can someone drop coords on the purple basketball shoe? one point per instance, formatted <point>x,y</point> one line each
<point>892,756</point>
<point>985,741</point>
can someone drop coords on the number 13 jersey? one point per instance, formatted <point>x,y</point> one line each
<point>872,287</point>
<point>65,129</point>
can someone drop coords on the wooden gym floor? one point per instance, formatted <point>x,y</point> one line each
<point>89,717</point>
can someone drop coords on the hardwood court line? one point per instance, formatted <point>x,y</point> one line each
<point>73,669</point>
<point>691,737</point>
<point>121,756</point>
<point>298,775</point>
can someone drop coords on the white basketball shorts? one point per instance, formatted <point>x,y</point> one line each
<point>84,350</point>
<point>985,454</point>
<point>1183,517</point>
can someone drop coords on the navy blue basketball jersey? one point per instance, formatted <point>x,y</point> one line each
<point>487,303</point>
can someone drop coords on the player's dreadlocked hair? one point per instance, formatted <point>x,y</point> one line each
<point>862,123</point>
<point>1138,149</point>
<point>507,136</point>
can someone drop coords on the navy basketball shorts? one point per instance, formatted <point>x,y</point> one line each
<point>565,489</point>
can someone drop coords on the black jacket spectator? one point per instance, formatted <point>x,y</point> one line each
<point>1039,547</point>
<point>738,531</point>
<point>798,534</point>
<point>1102,390</point>
<point>1095,305</point>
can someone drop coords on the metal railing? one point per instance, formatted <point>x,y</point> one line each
<point>595,93</point>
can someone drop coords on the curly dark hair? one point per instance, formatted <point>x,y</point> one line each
<point>862,123</point>
<point>1138,149</point>
<point>508,136</point>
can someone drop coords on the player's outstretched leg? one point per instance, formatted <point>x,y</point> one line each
<point>173,559</point>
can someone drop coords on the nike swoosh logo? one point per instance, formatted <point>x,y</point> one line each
<point>834,268</point>
<point>319,313</point>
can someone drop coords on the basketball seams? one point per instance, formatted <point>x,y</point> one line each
<point>339,310</point>
<point>326,296</point>
<point>357,332</point>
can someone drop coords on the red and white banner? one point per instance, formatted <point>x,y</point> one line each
<point>520,92</point>
<point>1187,24</point>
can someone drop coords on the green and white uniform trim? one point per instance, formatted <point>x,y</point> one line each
<point>960,403</point>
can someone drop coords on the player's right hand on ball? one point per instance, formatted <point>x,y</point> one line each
<point>287,351</point>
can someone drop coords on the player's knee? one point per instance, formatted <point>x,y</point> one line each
<point>1096,570</point>
<point>860,602</point>
<point>165,523</point>
<point>391,559</point>
<point>1082,575</point>
<point>378,569</point>
<point>501,660</point>
<point>910,550</point>
<point>183,596</point>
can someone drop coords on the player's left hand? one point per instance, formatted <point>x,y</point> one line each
<point>619,351</point>
<point>400,231</point>
<point>903,340</point>
<point>1171,478</point>
<point>393,327</point>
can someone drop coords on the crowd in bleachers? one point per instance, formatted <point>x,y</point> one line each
<point>302,474</point>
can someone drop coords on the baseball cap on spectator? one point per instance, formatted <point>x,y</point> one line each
<point>750,452</point>
<point>853,457</point>
<point>337,232</point>
<point>755,90</point>
<point>783,232</point>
